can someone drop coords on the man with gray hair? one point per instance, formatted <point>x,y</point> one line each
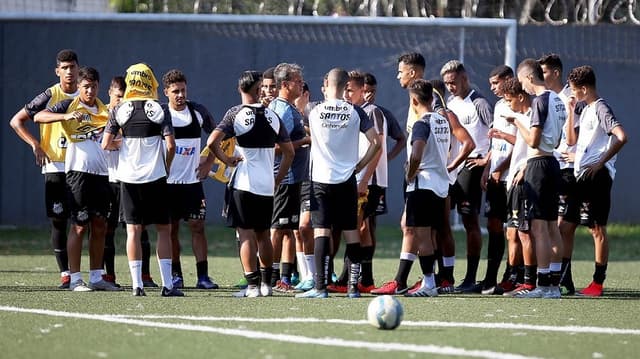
<point>476,115</point>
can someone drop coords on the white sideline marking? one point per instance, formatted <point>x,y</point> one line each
<point>297,339</point>
<point>436,324</point>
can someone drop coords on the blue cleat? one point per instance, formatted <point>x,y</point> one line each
<point>177,281</point>
<point>313,293</point>
<point>206,283</point>
<point>173,292</point>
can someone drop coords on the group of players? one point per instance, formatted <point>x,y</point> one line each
<point>302,175</point>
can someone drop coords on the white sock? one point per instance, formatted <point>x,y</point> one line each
<point>311,265</point>
<point>76,276</point>
<point>165,272</point>
<point>555,266</point>
<point>95,275</point>
<point>302,265</point>
<point>135,267</point>
<point>65,274</point>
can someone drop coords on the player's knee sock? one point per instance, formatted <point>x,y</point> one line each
<point>565,276</point>
<point>253,278</point>
<point>472,269</point>
<point>353,253</point>
<point>275,272</point>
<point>343,278</point>
<point>59,243</point>
<point>165,272</point>
<point>266,275</point>
<point>495,254</point>
<point>448,264</point>
<point>202,269</point>
<point>311,265</point>
<point>135,268</point>
<point>530,274</point>
<point>600,273</point>
<point>109,253</point>
<point>426,264</point>
<point>321,254</point>
<point>146,252</point>
<point>176,268</point>
<point>285,272</point>
<point>556,273</point>
<point>366,266</point>
<point>544,277</point>
<point>406,261</point>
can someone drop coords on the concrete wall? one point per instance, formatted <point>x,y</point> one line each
<point>213,55</point>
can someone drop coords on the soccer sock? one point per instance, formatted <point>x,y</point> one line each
<point>95,275</point>
<point>530,276</point>
<point>59,243</point>
<point>146,252</point>
<point>494,257</point>
<point>285,273</point>
<point>135,268</point>
<point>202,269</point>
<point>366,266</point>
<point>266,275</point>
<point>109,253</point>
<point>556,273</point>
<point>302,265</point>
<point>165,272</point>
<point>253,278</point>
<point>438,253</point>
<point>311,265</point>
<point>406,261</point>
<point>426,264</point>
<point>448,264</point>
<point>507,272</point>
<point>275,271</point>
<point>565,275</point>
<point>519,270</point>
<point>321,254</point>
<point>353,254</point>
<point>76,276</point>
<point>600,273</point>
<point>544,277</point>
<point>472,269</point>
<point>176,268</point>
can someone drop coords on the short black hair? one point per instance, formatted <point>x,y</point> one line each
<point>413,59</point>
<point>423,91</point>
<point>551,61</point>
<point>305,87</point>
<point>66,55</point>
<point>512,87</point>
<point>172,77</point>
<point>118,83</point>
<point>502,72</point>
<point>248,79</point>
<point>583,76</point>
<point>89,74</point>
<point>268,73</point>
<point>357,77</point>
<point>370,79</point>
<point>534,66</point>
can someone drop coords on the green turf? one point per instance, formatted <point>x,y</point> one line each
<point>28,274</point>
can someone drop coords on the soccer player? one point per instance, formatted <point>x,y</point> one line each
<point>49,153</point>
<point>185,193</point>
<point>257,130</point>
<point>542,175</point>
<point>143,165</point>
<point>83,120</point>
<point>493,180</point>
<point>568,207</point>
<point>601,138</point>
<point>335,125</point>
<point>286,211</point>
<point>476,115</point>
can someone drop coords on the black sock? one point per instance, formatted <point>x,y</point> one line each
<point>555,278</point>
<point>146,252</point>
<point>472,269</point>
<point>285,271</point>
<point>253,278</point>
<point>507,272</point>
<point>265,275</point>
<point>59,243</point>
<point>202,269</point>
<point>321,254</point>
<point>600,273</point>
<point>530,274</point>
<point>176,268</point>
<point>275,275</point>
<point>353,252</point>
<point>366,266</point>
<point>426,263</point>
<point>565,276</point>
<point>494,258</point>
<point>109,256</point>
<point>544,279</point>
<point>403,272</point>
<point>520,273</point>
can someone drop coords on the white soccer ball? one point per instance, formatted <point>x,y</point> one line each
<point>385,312</point>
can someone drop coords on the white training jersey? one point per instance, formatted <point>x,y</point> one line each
<point>564,95</point>
<point>520,148</point>
<point>432,174</point>
<point>548,112</point>
<point>501,149</point>
<point>475,114</point>
<point>335,126</point>
<point>380,176</point>
<point>596,122</point>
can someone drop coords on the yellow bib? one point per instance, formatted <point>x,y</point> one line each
<point>52,138</point>
<point>91,125</point>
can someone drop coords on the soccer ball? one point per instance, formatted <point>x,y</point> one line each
<point>385,312</point>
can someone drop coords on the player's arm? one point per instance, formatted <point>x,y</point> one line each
<point>417,150</point>
<point>169,139</point>
<point>501,135</point>
<point>18,123</point>
<point>287,151</point>
<point>570,125</point>
<point>611,126</point>
<point>208,125</point>
<point>397,134</point>
<point>462,135</point>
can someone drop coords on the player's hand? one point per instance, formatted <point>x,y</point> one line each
<point>495,176</point>
<point>75,115</point>
<point>363,189</point>
<point>572,103</point>
<point>233,161</point>
<point>591,170</point>
<point>474,162</point>
<point>483,180</point>
<point>41,157</point>
<point>518,178</point>
<point>495,133</point>
<point>568,156</point>
<point>509,119</point>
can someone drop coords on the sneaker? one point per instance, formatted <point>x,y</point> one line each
<point>478,287</point>
<point>177,281</point>
<point>65,281</point>
<point>104,285</point>
<point>173,292</point>
<point>266,290</point>
<point>295,279</point>
<point>313,293</point>
<point>539,292</point>
<point>139,292</point>
<point>283,287</point>
<point>305,285</point>
<point>507,285</point>
<point>422,291</point>
<point>592,290</point>
<point>336,288</point>
<point>520,289</point>
<point>111,279</point>
<point>494,290</point>
<point>416,285</point>
<point>390,288</point>
<point>148,282</point>
<point>568,288</point>
<point>242,283</point>
<point>252,291</point>
<point>446,287</point>
<point>553,292</point>
<point>79,286</point>
<point>366,288</point>
<point>465,287</point>
<point>206,283</point>
<point>353,292</point>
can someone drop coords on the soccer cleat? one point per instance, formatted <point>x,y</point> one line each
<point>266,290</point>
<point>390,288</point>
<point>206,283</point>
<point>416,285</point>
<point>568,288</point>
<point>494,290</point>
<point>242,283</point>
<point>422,291</point>
<point>104,285</point>
<point>177,281</point>
<point>283,287</point>
<point>520,289</point>
<point>539,292</point>
<point>366,288</point>
<point>313,294</point>
<point>111,279</point>
<point>336,288</point>
<point>295,279</point>
<point>65,280</point>
<point>173,292</point>
<point>446,287</point>
<point>252,291</point>
<point>353,291</point>
<point>507,285</point>
<point>305,285</point>
<point>79,286</point>
<point>148,282</point>
<point>553,292</point>
<point>465,287</point>
<point>592,290</point>
<point>139,292</point>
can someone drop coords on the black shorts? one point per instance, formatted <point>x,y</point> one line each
<point>286,206</point>
<point>466,192</point>
<point>495,205</point>
<point>186,201</point>
<point>307,201</point>
<point>594,195</point>
<point>56,195</point>
<point>376,201</point>
<point>337,205</point>
<point>249,211</point>
<point>145,203</point>
<point>113,218</point>
<point>568,205</point>
<point>89,196</point>
<point>518,215</point>
<point>541,182</point>
<point>424,208</point>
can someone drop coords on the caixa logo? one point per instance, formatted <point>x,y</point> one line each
<point>185,151</point>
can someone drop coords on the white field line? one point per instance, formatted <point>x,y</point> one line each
<point>296,339</point>
<point>432,324</point>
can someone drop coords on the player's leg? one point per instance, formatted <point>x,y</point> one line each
<point>57,206</point>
